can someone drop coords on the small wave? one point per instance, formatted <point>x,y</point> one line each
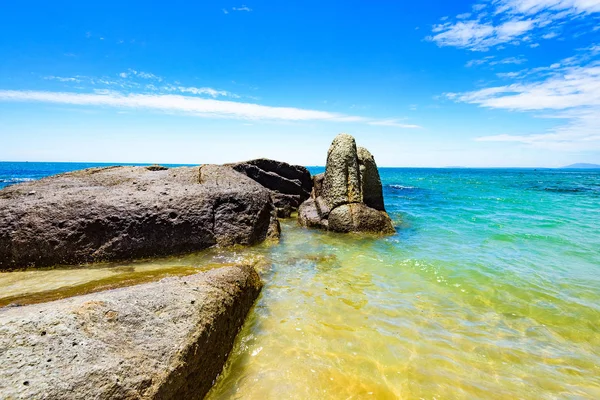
<point>15,180</point>
<point>401,187</point>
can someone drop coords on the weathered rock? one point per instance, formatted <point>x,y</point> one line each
<point>117,213</point>
<point>318,185</point>
<point>290,184</point>
<point>357,217</point>
<point>341,182</point>
<point>162,340</point>
<point>348,197</point>
<point>371,189</point>
<point>309,216</point>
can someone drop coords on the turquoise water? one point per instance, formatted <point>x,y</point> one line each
<point>490,289</point>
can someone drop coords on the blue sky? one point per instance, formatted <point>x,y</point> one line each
<point>428,83</point>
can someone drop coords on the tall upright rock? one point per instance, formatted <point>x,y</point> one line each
<point>341,182</point>
<point>348,197</point>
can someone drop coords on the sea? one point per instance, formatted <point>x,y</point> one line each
<point>490,289</point>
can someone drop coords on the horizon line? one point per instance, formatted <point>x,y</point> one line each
<point>126,163</point>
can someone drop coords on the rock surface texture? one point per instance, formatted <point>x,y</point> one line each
<point>118,213</point>
<point>290,185</point>
<point>162,340</point>
<point>348,197</point>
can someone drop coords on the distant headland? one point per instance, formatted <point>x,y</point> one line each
<point>583,166</point>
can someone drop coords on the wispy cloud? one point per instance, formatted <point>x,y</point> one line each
<point>568,90</point>
<point>242,8</point>
<point>491,60</point>
<point>203,90</point>
<point>208,108</point>
<point>500,22</point>
<point>62,78</point>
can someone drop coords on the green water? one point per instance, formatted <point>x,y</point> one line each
<point>490,289</point>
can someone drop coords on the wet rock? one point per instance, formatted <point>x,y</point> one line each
<point>348,197</point>
<point>162,340</point>
<point>357,217</point>
<point>290,185</point>
<point>117,213</point>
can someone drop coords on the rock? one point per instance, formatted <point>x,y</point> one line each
<point>290,185</point>
<point>309,216</point>
<point>348,197</point>
<point>162,340</point>
<point>357,217</point>
<point>371,189</point>
<point>117,213</point>
<point>156,167</point>
<point>341,182</point>
<point>318,185</point>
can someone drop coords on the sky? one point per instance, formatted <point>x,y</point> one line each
<point>487,83</point>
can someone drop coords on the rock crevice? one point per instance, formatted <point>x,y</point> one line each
<point>290,185</point>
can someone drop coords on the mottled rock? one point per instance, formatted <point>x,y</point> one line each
<point>290,185</point>
<point>348,197</point>
<point>318,185</point>
<point>371,189</point>
<point>357,217</point>
<point>341,182</point>
<point>309,216</point>
<point>116,213</point>
<point>162,340</point>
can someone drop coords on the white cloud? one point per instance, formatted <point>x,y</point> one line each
<point>208,108</point>
<point>511,22</point>
<point>490,60</point>
<point>147,75</point>
<point>568,90</point>
<point>225,11</point>
<point>123,75</point>
<point>550,35</point>
<point>200,91</point>
<point>242,8</point>
<point>63,79</point>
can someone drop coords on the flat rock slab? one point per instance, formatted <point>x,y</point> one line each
<point>117,213</point>
<point>163,340</point>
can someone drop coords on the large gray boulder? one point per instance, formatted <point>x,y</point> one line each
<point>117,213</point>
<point>162,340</point>
<point>348,197</point>
<point>290,185</point>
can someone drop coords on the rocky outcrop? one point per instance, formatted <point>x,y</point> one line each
<point>162,340</point>
<point>290,185</point>
<point>348,197</point>
<point>117,213</point>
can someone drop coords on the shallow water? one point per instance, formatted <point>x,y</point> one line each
<point>490,289</point>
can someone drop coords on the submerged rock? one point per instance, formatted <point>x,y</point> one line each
<point>162,340</point>
<point>117,213</point>
<point>348,197</point>
<point>290,185</point>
